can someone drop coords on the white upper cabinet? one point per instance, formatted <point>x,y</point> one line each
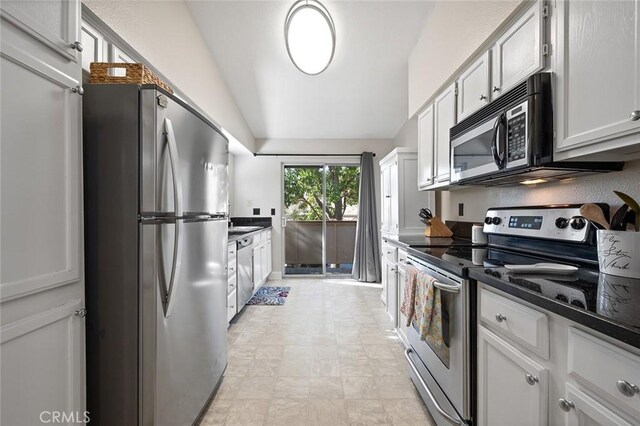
<point>473,87</point>
<point>53,22</point>
<point>518,52</point>
<point>444,117</point>
<point>401,200</point>
<point>117,55</point>
<point>425,148</point>
<point>94,46</point>
<point>598,77</point>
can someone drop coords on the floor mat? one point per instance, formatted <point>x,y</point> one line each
<point>270,296</point>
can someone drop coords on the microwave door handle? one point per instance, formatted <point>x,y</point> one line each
<point>494,141</point>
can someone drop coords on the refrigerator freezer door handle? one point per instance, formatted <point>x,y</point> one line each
<point>175,169</point>
<point>171,291</point>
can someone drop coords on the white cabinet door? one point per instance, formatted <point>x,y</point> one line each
<point>394,200</point>
<point>473,87</point>
<point>40,184</point>
<point>269,258</point>
<point>43,366</point>
<point>511,386</point>
<point>55,23</point>
<point>389,281</point>
<point>597,74</point>
<point>518,52</point>
<point>265,262</point>
<point>117,55</point>
<point>95,46</point>
<point>385,185</point>
<point>586,411</point>
<point>445,118</point>
<point>425,148</point>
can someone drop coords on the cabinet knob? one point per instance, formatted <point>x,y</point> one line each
<point>76,45</point>
<point>483,97</point>
<point>565,404</point>
<point>635,115</point>
<point>500,317</point>
<point>531,379</point>
<point>78,89</point>
<point>82,312</point>
<point>496,89</point>
<point>626,388</point>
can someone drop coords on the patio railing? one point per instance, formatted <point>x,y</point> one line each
<point>303,242</point>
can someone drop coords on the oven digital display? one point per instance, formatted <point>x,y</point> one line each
<point>525,222</point>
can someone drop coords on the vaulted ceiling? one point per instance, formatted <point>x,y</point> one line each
<point>363,93</point>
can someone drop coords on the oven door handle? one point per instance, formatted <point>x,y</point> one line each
<point>447,287</point>
<point>443,413</point>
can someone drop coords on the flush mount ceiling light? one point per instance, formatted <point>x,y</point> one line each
<point>310,36</point>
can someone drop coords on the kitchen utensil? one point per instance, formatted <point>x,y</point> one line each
<point>617,220</point>
<point>425,213</point>
<point>594,214</point>
<point>542,268</point>
<point>436,228</point>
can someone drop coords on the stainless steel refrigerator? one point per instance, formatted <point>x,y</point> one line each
<point>155,202</point>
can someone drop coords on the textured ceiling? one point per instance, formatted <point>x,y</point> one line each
<point>363,93</point>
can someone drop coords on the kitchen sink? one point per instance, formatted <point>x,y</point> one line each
<point>243,229</point>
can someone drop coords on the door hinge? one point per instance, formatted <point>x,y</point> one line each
<point>546,49</point>
<point>82,312</point>
<point>455,89</point>
<point>545,12</point>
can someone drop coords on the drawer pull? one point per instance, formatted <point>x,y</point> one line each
<point>531,379</point>
<point>500,317</point>
<point>626,388</point>
<point>566,405</point>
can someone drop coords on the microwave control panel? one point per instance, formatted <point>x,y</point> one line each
<point>516,137</point>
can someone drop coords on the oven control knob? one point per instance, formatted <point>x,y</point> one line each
<point>487,220</point>
<point>496,220</point>
<point>562,222</point>
<point>577,222</point>
<point>562,298</point>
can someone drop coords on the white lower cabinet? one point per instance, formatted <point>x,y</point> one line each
<point>511,386</point>
<point>231,305</point>
<point>261,258</point>
<point>574,382</point>
<point>582,410</point>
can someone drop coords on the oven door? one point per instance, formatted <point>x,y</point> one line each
<point>476,151</point>
<point>449,365</point>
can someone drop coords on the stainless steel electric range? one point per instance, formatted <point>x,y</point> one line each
<point>445,377</point>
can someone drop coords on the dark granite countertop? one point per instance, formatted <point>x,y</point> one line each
<point>604,303</point>
<point>235,236</point>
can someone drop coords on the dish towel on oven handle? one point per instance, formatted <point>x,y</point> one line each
<point>408,305</point>
<point>428,310</point>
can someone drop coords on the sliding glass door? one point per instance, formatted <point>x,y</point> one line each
<point>319,218</point>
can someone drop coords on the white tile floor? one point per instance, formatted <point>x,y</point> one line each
<point>329,356</point>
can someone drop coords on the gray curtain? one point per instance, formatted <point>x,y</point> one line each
<point>366,262</point>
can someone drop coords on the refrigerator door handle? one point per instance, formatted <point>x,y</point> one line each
<point>175,169</point>
<point>170,291</point>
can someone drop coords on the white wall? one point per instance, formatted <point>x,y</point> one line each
<point>595,188</point>
<point>258,180</point>
<point>453,32</point>
<point>165,34</point>
<point>407,136</point>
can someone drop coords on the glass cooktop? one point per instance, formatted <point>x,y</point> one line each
<point>608,296</point>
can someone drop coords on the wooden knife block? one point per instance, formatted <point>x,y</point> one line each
<point>436,228</point>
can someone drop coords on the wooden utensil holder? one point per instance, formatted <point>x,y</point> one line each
<point>436,228</point>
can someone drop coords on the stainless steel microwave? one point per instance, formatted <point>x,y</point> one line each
<point>510,140</point>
